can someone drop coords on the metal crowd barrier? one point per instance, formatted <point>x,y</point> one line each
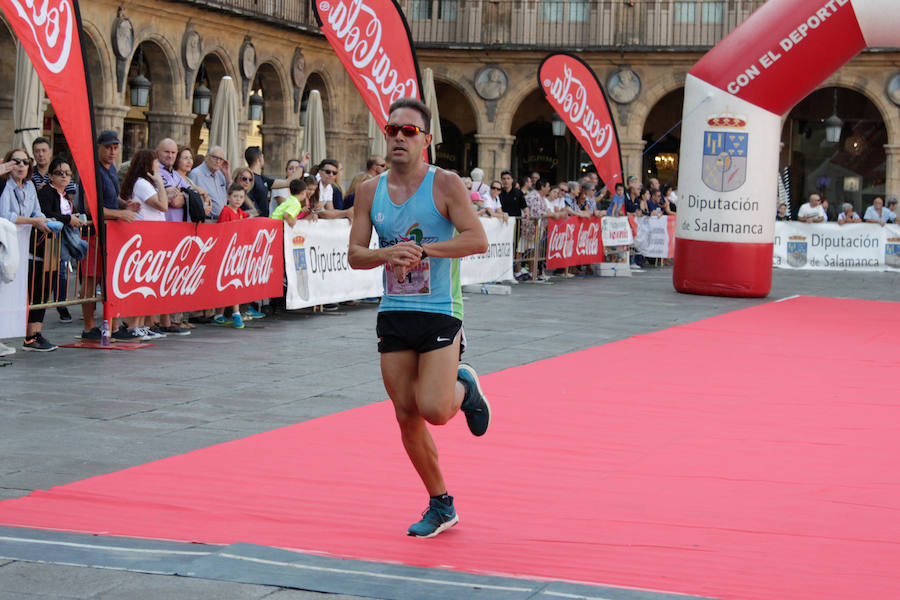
<point>63,281</point>
<point>530,245</point>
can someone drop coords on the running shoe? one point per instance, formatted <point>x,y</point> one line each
<point>123,334</point>
<point>90,336</point>
<point>435,519</point>
<point>155,331</point>
<point>174,330</point>
<point>236,321</point>
<point>221,320</point>
<point>474,404</point>
<point>38,343</point>
<point>252,313</point>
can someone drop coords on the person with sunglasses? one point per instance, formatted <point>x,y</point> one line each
<point>492,205</point>
<point>329,193</point>
<point>425,224</point>
<point>19,205</point>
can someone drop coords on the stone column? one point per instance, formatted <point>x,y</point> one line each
<point>110,116</point>
<point>494,154</point>
<point>892,171</point>
<point>161,125</point>
<point>280,143</point>
<point>632,158</point>
<point>350,149</point>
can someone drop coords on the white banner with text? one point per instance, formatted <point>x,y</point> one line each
<point>317,271</point>
<point>14,295</point>
<point>853,247</point>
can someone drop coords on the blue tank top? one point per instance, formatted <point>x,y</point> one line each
<point>434,285</point>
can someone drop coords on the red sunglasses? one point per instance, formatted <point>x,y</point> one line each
<point>407,130</point>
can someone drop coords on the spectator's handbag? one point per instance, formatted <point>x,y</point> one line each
<point>193,206</point>
<point>73,248</point>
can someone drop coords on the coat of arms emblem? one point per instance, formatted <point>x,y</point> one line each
<point>892,252</point>
<point>725,147</point>
<point>796,250</point>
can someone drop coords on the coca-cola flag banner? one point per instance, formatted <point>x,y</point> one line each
<point>573,241</point>
<point>373,41</point>
<point>574,92</point>
<point>50,32</point>
<point>174,267</point>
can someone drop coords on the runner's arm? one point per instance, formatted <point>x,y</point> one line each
<point>453,202</point>
<point>359,255</point>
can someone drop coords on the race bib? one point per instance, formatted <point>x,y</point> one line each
<point>416,283</point>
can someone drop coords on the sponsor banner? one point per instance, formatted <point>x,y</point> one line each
<point>317,270</point>
<point>723,140</point>
<point>652,239</point>
<point>315,259</point>
<point>575,93</point>
<point>573,241</point>
<point>853,247</point>
<point>14,295</point>
<point>373,42</point>
<point>497,263</point>
<point>784,50</point>
<point>50,32</point>
<point>174,267</point>
<point>616,231</point>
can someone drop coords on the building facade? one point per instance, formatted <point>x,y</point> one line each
<point>485,56</point>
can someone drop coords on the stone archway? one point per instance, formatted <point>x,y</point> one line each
<point>315,81</point>
<point>279,136</point>
<point>662,139</point>
<point>145,126</point>
<point>535,147</point>
<point>852,170</point>
<point>7,85</point>
<point>212,69</point>
<point>458,150</point>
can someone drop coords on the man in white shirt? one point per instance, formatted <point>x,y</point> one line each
<point>877,213</point>
<point>812,211</point>
<point>213,175</point>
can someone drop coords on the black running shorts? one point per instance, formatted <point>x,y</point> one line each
<point>415,330</point>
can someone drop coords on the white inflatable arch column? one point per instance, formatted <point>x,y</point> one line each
<point>733,101</point>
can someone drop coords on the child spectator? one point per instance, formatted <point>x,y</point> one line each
<point>232,212</point>
<point>294,207</point>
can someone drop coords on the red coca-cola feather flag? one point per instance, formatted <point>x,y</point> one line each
<point>373,41</point>
<point>574,92</point>
<point>50,32</point>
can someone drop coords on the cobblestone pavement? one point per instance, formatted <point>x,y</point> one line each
<point>63,422</point>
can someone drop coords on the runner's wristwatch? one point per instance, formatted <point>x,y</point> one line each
<point>424,254</point>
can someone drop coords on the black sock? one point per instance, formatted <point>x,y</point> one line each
<point>444,498</point>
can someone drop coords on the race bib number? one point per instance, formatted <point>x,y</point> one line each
<point>417,281</point>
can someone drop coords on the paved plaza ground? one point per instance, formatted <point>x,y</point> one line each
<point>73,414</point>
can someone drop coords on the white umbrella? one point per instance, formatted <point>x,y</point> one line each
<point>223,129</point>
<point>431,103</point>
<point>314,129</point>
<point>28,114</point>
<point>377,145</point>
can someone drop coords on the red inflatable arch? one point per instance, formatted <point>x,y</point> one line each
<point>733,102</point>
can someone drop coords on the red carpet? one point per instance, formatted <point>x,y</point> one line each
<point>748,456</point>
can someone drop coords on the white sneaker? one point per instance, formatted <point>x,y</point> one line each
<point>6,350</point>
<point>143,333</point>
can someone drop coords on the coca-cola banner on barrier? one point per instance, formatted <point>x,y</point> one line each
<point>574,92</point>
<point>173,267</point>
<point>50,32</point>
<point>372,39</point>
<point>573,241</point>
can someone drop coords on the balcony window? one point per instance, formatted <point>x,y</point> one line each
<point>555,11</point>
<point>423,10</point>
<point>578,11</point>
<point>552,10</point>
<point>420,10</point>
<point>447,10</point>
<point>712,12</point>
<point>685,12</point>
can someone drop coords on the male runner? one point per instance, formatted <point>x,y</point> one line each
<point>416,210</point>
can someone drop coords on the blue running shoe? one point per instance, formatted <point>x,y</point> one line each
<point>236,321</point>
<point>435,519</point>
<point>252,313</point>
<point>474,404</point>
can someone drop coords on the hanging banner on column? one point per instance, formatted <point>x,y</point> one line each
<point>573,241</point>
<point>50,32</point>
<point>14,294</point>
<point>497,263</point>
<point>853,247</point>
<point>175,267</point>
<point>575,93</point>
<point>373,42</point>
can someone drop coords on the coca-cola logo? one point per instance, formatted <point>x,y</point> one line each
<point>356,33</point>
<point>588,240</point>
<point>160,273</point>
<point>571,96</point>
<point>52,26</point>
<point>246,265</point>
<point>561,241</point>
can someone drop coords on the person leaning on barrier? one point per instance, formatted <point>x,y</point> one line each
<point>492,205</point>
<point>512,199</point>
<point>293,169</point>
<point>877,213</point>
<point>848,215</point>
<point>812,211</point>
<point>213,175</point>
<point>295,206</point>
<point>19,205</point>
<point>327,173</point>
<point>892,206</point>
<point>43,154</point>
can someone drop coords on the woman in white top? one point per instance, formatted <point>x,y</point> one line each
<point>144,184</point>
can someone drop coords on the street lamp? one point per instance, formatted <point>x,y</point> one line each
<point>256,106</point>
<point>833,125</point>
<point>558,125</point>
<point>140,85</point>
<point>202,95</point>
